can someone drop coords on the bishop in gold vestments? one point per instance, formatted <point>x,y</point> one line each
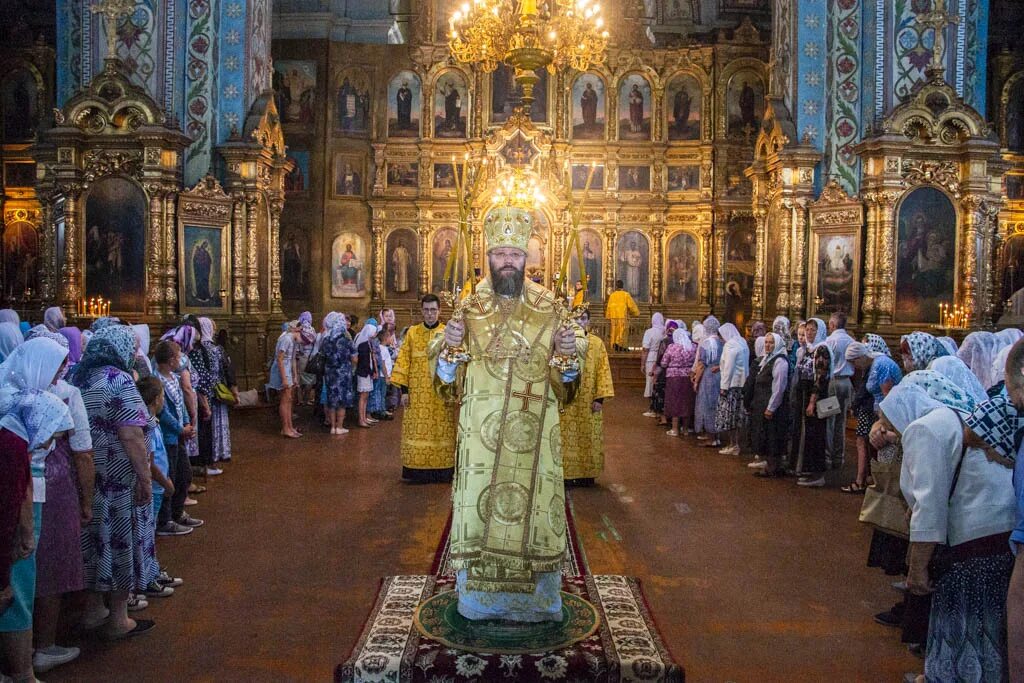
<point>428,423</point>
<point>508,534</point>
<point>582,420</point>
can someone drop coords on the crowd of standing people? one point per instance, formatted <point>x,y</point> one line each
<point>100,437</point>
<point>940,461</point>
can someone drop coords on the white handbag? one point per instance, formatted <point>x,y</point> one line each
<point>827,407</point>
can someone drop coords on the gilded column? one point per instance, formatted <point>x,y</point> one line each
<point>721,241</point>
<point>48,252</point>
<point>425,259</point>
<point>868,307</point>
<point>798,283</point>
<point>238,254</point>
<point>706,286</point>
<point>760,234</point>
<point>154,269</point>
<point>171,262</point>
<point>609,256</point>
<point>785,219</point>
<point>72,272</point>
<point>657,262</point>
<point>275,256</point>
<point>973,211</point>
<point>252,273</point>
<point>885,289</point>
<point>377,229</point>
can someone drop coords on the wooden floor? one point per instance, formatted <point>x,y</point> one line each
<point>750,580</point>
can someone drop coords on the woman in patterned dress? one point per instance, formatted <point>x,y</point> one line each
<point>338,353</point>
<point>219,418</point>
<point>118,553</point>
<point>679,395</point>
<point>733,366</point>
<point>284,376</point>
<point>706,377</point>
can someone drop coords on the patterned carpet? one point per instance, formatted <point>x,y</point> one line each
<point>626,646</point>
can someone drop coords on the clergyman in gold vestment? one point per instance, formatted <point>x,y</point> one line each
<point>583,419</point>
<point>508,533</point>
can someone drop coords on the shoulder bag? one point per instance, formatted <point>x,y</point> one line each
<point>827,407</point>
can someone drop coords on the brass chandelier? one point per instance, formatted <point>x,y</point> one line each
<point>528,35</point>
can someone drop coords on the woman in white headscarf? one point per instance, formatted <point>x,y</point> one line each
<point>815,428</point>
<point>977,352</point>
<point>366,369</point>
<point>54,318</point>
<point>956,371</point>
<point>9,315</point>
<point>962,508</point>
<point>812,333</point>
<point>649,354</point>
<point>705,379</point>
<point>769,421</point>
<point>678,365</point>
<point>734,367</point>
<point>1009,336</point>
<point>10,339</point>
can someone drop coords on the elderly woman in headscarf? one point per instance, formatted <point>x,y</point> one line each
<point>919,349</point>
<point>10,339</point>
<point>781,326</point>
<point>284,376</point>
<point>75,345</point>
<point>54,318</point>
<point>677,363</point>
<point>186,336</point>
<point>814,332</point>
<point>1008,336</point>
<point>366,369</point>
<point>206,362</point>
<point>705,379</point>
<point>649,354</point>
<point>376,406</point>
<point>339,354</point>
<point>977,353</point>
<point>143,367</point>
<point>303,352</point>
<point>9,315</point>
<point>734,367</point>
<point>769,422</point>
<point>116,546</point>
<point>949,344</point>
<point>815,428</point>
<point>657,404</point>
<point>220,425</point>
<point>957,372</point>
<point>875,374</point>
<point>962,510</point>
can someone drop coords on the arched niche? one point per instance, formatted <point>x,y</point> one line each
<point>115,222</point>
<point>926,254</point>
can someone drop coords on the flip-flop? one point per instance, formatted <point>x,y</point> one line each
<point>197,489</point>
<point>142,626</point>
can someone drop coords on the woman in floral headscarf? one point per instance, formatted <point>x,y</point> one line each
<point>705,378</point>
<point>303,352</point>
<point>116,546</point>
<point>919,349</point>
<point>338,353</point>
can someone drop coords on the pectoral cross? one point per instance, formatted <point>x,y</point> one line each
<point>112,11</point>
<point>527,396</point>
<point>937,20</point>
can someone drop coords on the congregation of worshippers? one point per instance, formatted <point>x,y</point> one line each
<point>102,431</point>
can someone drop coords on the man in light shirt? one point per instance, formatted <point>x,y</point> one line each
<point>841,386</point>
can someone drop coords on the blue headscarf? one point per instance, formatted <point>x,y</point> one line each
<point>114,345</point>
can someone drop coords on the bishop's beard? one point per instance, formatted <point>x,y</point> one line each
<point>508,282</point>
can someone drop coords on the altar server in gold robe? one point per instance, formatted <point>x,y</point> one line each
<point>618,309</point>
<point>513,359</point>
<point>583,419</point>
<point>428,423</point>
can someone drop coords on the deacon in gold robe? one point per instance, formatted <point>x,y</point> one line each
<point>617,309</point>
<point>582,420</point>
<point>428,423</point>
<point>513,359</point>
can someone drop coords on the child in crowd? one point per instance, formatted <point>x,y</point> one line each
<point>176,427</point>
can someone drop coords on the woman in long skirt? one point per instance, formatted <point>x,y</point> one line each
<point>679,395</point>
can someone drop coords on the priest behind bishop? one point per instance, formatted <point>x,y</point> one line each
<point>583,419</point>
<point>512,360</point>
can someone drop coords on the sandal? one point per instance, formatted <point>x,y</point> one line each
<point>141,626</point>
<point>194,489</point>
<point>853,487</point>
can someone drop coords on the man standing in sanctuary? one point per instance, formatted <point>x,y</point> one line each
<point>428,423</point>
<point>583,420</point>
<point>513,360</point>
<point>618,309</point>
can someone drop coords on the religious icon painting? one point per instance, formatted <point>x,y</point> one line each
<point>348,266</point>
<point>19,174</point>
<point>1014,186</point>
<point>536,249</point>
<point>592,256</point>
<point>740,264</point>
<point>632,264</point>
<point>634,108</point>
<point>451,106</point>
<point>203,258</point>
<point>403,173</point>
<point>297,180</point>
<point>21,260</point>
<point>402,266</point>
<point>352,104</point>
<point>588,108</point>
<point>682,269</point>
<point>349,176</point>
<point>442,246</point>
<point>744,104</point>
<point>19,97</point>
<point>580,173</point>
<point>295,90</point>
<point>735,183</point>
<point>443,10</point>
<point>635,178</point>
<point>925,255</point>
<point>506,95</point>
<point>115,243</point>
<point>683,99</point>
<point>444,175</point>
<point>683,178</point>
<point>404,105</point>
<point>294,262</point>
<point>834,273</point>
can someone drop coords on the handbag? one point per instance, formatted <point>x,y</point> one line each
<point>315,365</point>
<point>884,507</point>
<point>223,393</point>
<point>943,557</point>
<point>827,407</point>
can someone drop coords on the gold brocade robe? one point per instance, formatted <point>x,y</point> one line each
<point>583,429</point>
<point>508,496</point>
<point>428,423</point>
<point>617,309</point>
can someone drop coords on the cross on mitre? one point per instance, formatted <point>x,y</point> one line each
<point>112,12</point>
<point>937,19</point>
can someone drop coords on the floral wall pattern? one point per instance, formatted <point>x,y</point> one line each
<point>844,78</point>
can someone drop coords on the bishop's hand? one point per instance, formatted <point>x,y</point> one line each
<point>454,333</point>
<point>565,342</point>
